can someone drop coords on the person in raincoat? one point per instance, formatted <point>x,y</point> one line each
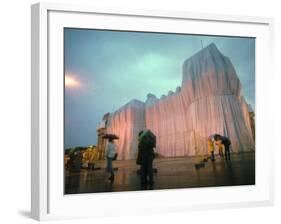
<point>211,147</point>
<point>147,141</point>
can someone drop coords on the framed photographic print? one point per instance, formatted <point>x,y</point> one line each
<point>148,111</point>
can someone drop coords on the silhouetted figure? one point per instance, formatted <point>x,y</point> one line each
<point>226,143</point>
<point>147,141</point>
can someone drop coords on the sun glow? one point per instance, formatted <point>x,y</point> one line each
<point>71,82</point>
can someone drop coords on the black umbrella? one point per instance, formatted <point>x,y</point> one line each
<point>217,137</point>
<point>110,136</point>
<point>148,137</point>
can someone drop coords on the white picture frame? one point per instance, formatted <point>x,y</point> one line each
<point>48,201</point>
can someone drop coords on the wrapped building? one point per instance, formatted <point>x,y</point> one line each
<point>209,101</point>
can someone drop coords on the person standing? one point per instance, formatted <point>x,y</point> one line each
<point>226,143</point>
<point>211,147</point>
<point>147,141</point>
<point>110,154</point>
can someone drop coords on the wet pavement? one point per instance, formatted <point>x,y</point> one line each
<point>171,173</point>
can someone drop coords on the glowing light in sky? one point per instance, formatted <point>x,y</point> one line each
<point>71,82</point>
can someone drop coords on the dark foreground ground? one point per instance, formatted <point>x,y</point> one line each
<point>171,173</point>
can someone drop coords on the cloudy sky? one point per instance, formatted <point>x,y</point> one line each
<point>106,69</point>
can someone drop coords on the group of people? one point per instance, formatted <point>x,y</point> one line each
<point>145,156</point>
<point>222,142</point>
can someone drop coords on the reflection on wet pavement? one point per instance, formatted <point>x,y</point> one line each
<point>171,173</point>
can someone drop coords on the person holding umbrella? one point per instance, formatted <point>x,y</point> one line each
<point>110,154</point>
<point>226,143</point>
<point>147,141</point>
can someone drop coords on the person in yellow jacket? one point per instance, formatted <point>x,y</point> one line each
<point>211,148</point>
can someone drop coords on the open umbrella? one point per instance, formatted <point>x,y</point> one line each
<point>110,136</point>
<point>216,137</point>
<point>148,138</point>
